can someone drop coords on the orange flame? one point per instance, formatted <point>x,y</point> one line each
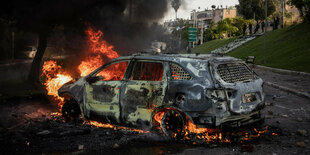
<point>115,127</point>
<point>209,134</point>
<point>98,48</point>
<point>55,78</point>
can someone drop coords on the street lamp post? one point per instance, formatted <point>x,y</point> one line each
<point>283,11</point>
<point>13,46</point>
<point>195,24</point>
<point>265,59</point>
<point>202,27</point>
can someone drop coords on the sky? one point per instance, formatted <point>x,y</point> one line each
<point>189,5</point>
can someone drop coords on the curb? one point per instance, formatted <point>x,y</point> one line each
<point>298,93</point>
<point>283,71</point>
<point>15,63</point>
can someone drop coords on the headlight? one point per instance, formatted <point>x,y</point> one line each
<point>250,97</point>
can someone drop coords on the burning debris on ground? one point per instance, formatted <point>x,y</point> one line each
<point>36,136</point>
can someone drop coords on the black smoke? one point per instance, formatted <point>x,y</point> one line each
<point>129,25</point>
<point>126,24</point>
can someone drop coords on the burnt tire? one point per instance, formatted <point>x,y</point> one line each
<point>172,124</point>
<point>70,110</point>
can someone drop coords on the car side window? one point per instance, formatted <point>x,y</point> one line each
<point>147,71</point>
<point>178,73</point>
<point>114,72</point>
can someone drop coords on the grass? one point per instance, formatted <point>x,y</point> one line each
<point>212,45</point>
<point>287,48</point>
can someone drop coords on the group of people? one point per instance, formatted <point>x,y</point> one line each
<point>257,26</point>
<point>274,24</point>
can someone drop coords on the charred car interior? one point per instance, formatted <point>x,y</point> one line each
<point>167,91</point>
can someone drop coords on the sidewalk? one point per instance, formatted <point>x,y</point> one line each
<point>298,84</point>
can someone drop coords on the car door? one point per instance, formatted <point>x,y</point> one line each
<point>103,94</point>
<point>142,91</point>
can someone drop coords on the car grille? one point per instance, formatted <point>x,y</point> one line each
<point>234,72</point>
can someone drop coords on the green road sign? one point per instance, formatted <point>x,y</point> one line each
<point>192,34</point>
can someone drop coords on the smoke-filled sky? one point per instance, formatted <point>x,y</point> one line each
<point>188,5</point>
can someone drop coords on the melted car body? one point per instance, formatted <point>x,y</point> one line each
<point>209,90</point>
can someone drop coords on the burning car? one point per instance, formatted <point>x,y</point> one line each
<point>167,91</point>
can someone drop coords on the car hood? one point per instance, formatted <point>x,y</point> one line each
<point>74,90</point>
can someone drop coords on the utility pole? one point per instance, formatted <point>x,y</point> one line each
<point>194,24</point>
<point>283,11</point>
<point>201,37</point>
<point>130,10</point>
<point>254,16</point>
<point>254,20</point>
<point>265,59</point>
<point>13,46</point>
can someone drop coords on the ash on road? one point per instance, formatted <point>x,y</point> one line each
<point>27,126</point>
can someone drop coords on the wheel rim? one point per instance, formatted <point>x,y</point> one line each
<point>70,110</point>
<point>172,124</point>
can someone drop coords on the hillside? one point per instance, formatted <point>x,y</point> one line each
<point>288,48</point>
<point>212,45</point>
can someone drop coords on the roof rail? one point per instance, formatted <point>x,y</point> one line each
<point>218,54</point>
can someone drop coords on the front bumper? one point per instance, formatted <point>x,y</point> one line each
<point>230,121</point>
<point>242,120</point>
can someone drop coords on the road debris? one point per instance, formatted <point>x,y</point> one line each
<point>302,132</point>
<point>301,144</point>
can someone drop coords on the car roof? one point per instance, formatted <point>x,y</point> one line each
<point>178,57</point>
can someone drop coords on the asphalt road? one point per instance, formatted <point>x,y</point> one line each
<point>27,127</point>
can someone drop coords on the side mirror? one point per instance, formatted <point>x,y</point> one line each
<point>93,79</point>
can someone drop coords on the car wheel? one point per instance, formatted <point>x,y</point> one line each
<point>172,124</point>
<point>70,110</point>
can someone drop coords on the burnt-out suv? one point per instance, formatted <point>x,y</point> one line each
<point>209,90</point>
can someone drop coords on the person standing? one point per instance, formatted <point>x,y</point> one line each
<point>250,28</point>
<point>256,28</point>
<point>189,50</point>
<point>244,29</point>
<point>263,26</point>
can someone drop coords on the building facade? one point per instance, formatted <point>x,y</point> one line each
<point>204,18</point>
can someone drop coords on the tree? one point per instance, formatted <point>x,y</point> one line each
<point>176,5</point>
<point>303,6</point>
<point>247,8</point>
<point>40,17</point>
<point>211,32</point>
<point>239,22</point>
<point>180,31</point>
<point>226,27</point>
